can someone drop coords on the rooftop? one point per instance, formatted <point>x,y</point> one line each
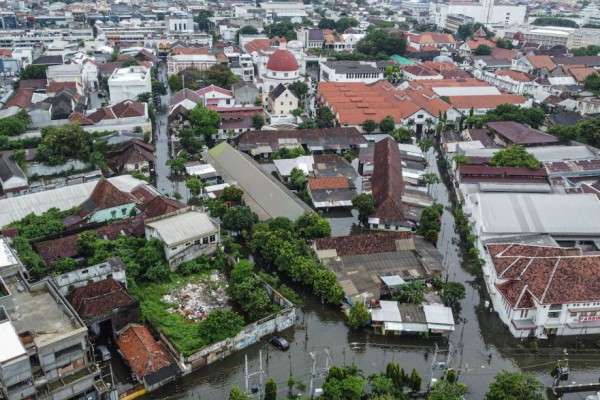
<point>100,298</point>
<point>182,225</point>
<point>41,312</point>
<point>521,134</point>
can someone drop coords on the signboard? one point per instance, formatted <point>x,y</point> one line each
<point>589,318</point>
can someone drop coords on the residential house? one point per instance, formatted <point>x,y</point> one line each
<point>216,96</point>
<point>431,40</point>
<point>46,351</point>
<point>131,156</point>
<point>536,65</point>
<point>281,101</point>
<point>107,202</point>
<point>66,73</point>
<point>507,133</point>
<point>185,234</point>
<point>362,262</point>
<point>419,72</point>
<point>397,205</point>
<point>264,143</point>
<point>509,80</point>
<point>392,317</point>
<point>149,360</point>
<point>127,115</point>
<point>245,93</point>
<point>128,83</point>
<point>184,101</point>
<point>183,58</point>
<point>331,192</point>
<point>12,178</point>
<point>350,71</point>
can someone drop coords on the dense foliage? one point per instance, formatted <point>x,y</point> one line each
<point>590,50</point>
<point>430,222</point>
<point>483,50</point>
<point>365,204</point>
<point>278,246</point>
<point>555,21</point>
<point>382,42</point>
<point>514,156</point>
<point>248,290</point>
<point>15,125</point>
<point>279,29</point>
<point>533,117</point>
<point>585,131</point>
<point>515,385</point>
<point>359,316</point>
<point>60,143</point>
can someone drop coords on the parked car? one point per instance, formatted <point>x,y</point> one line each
<point>279,342</point>
<point>102,353</point>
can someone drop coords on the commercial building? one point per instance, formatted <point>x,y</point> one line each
<point>45,350</point>
<point>128,83</point>
<point>484,12</point>
<point>392,317</point>
<point>185,234</point>
<point>264,194</point>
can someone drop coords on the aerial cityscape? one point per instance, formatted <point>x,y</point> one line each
<point>301,199</point>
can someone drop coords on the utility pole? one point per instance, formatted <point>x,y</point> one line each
<point>320,372</point>
<point>248,375</point>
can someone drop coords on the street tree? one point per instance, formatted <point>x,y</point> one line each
<point>258,121</point>
<point>324,118</point>
<point>358,316</point>
<point>195,185</point>
<point>311,225</point>
<point>387,125</point>
<point>369,126</point>
<point>365,205</point>
<point>515,385</point>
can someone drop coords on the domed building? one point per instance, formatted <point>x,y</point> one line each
<point>282,67</point>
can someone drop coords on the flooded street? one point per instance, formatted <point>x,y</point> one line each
<point>480,346</point>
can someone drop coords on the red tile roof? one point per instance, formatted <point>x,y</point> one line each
<point>515,75</point>
<point>261,44</point>
<point>550,275</point>
<point>484,173</point>
<point>387,183</point>
<point>55,87</point>
<point>161,205</point>
<point>21,98</point>
<point>106,195</point>
<point>144,355</point>
<point>100,298</point>
<point>282,61</point>
<point>366,243</point>
<point>485,101</point>
<point>539,62</point>
<point>211,88</point>
<point>124,109</point>
<point>190,51</point>
<point>333,182</point>
<point>475,43</point>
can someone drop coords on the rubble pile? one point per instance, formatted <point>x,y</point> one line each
<point>196,300</point>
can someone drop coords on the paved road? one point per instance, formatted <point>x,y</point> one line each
<point>162,153</point>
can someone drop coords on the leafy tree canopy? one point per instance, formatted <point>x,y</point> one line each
<point>514,156</point>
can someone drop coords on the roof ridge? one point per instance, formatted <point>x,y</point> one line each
<point>550,279</point>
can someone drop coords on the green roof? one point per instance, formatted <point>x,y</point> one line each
<point>401,60</point>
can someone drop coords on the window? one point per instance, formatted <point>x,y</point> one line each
<point>173,248</point>
<point>573,314</point>
<point>197,241</point>
<point>213,238</point>
<point>113,213</point>
<point>204,240</point>
<point>553,314</point>
<point>123,210</point>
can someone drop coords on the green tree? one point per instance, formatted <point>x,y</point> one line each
<point>344,23</point>
<point>258,121</point>
<point>446,390</point>
<point>177,165</point>
<point>515,385</point>
<point>514,156</point>
<point>430,222</point>
<point>33,72</point>
<point>402,135</point>
<point>204,122</point>
<point>483,50</point>
<point>430,178</point>
<point>248,291</point>
<point>564,133</point>
<point>397,375</point>
<point>232,194</point>
<point>387,124</point>
<point>219,325</point>
<point>202,19</point>
<point>297,179</point>
<point>452,293</point>
<point>15,125</point>
<point>239,219</point>
<point>326,23</point>
<point>219,75</point>
<point>382,42</point>
<point>326,286</point>
<point>325,118</point>
<point>412,292</point>
<point>555,21</point>
<point>311,225</point>
<point>592,82</point>
<point>365,205</point>
<point>502,43</point>
<point>358,316</point>
<point>270,390</point>
<point>64,142</point>
<point>86,244</point>
<point>279,29</point>
<point>369,126</point>
<point>175,83</point>
<point>194,185</point>
<point>300,89</point>
<point>245,30</point>
<point>382,385</point>
<point>66,264</point>
<point>343,384</point>
<point>414,381</point>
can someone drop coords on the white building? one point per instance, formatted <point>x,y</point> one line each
<point>539,289</point>
<point>282,101</point>
<point>186,234</point>
<point>350,71</point>
<point>190,58</point>
<point>65,73</point>
<point>128,83</point>
<point>181,23</point>
<point>281,68</point>
<point>485,12</point>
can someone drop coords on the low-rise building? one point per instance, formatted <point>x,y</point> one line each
<point>128,83</point>
<point>392,317</point>
<point>282,101</point>
<point>183,58</point>
<point>350,71</point>
<point>185,234</point>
